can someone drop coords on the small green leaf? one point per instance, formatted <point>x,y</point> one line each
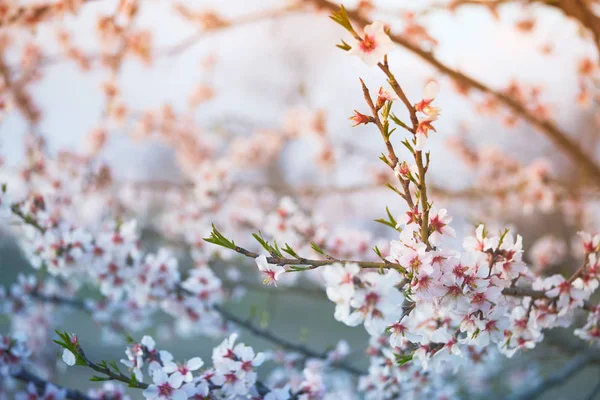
<point>115,366</point>
<point>341,17</point>
<point>403,359</point>
<point>344,46</point>
<point>217,238</point>
<point>133,382</point>
<point>99,379</point>
<point>295,268</point>
<point>383,158</point>
<point>392,187</point>
<point>290,251</point>
<point>316,248</point>
<point>408,146</point>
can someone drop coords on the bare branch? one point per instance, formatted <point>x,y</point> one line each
<point>573,367</point>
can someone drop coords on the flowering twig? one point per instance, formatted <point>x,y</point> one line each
<point>217,238</point>
<point>560,138</point>
<point>227,315</point>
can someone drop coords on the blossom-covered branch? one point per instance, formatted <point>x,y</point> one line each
<point>561,139</point>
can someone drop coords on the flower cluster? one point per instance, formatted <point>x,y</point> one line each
<point>232,375</point>
<point>430,113</point>
<point>14,353</point>
<point>429,308</point>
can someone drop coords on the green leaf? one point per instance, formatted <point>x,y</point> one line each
<point>502,237</point>
<point>115,366</point>
<point>403,359</point>
<point>392,187</point>
<point>290,251</point>
<point>383,158</point>
<point>129,339</point>
<point>316,248</point>
<point>133,382</point>
<point>295,268</point>
<point>399,122</point>
<point>217,238</point>
<point>408,146</point>
<point>344,46</point>
<point>276,249</point>
<point>377,251</point>
<point>273,250</point>
<point>79,360</point>
<point>341,17</point>
<point>99,379</point>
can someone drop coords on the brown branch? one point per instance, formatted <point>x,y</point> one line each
<point>314,264</point>
<point>580,11</point>
<point>225,314</point>
<point>422,185</point>
<point>560,138</point>
<point>386,139</point>
<point>283,342</point>
<point>32,13</point>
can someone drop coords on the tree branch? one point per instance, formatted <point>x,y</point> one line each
<point>283,342</point>
<point>573,367</point>
<point>560,138</point>
<point>25,376</point>
<point>226,315</point>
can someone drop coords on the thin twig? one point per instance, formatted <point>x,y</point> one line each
<point>26,376</point>
<point>283,342</point>
<point>574,366</point>
<point>561,139</point>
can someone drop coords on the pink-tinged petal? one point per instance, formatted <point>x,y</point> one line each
<point>431,90</point>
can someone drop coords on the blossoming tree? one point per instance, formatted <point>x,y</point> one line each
<point>439,307</point>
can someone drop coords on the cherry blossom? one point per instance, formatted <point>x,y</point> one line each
<point>441,319</point>
<point>185,370</point>
<point>374,44</point>
<point>165,387</point>
<point>272,272</point>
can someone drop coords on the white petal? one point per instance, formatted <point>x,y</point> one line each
<point>68,357</point>
<point>175,380</point>
<point>165,356</point>
<point>179,394</point>
<point>431,90</point>
<point>261,262</point>
<point>259,359</point>
<point>194,363</point>
<point>148,342</point>
<point>169,367</point>
<point>151,392</point>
